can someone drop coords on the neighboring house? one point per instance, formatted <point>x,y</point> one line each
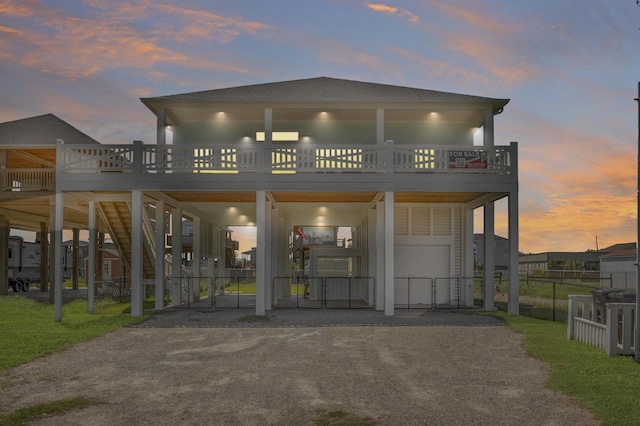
<point>560,260</point>
<point>620,263</point>
<point>249,258</point>
<point>27,185</point>
<point>502,251</point>
<point>395,165</point>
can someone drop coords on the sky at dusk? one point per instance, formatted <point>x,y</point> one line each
<point>570,68</point>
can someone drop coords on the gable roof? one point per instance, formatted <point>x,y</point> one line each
<point>618,247</point>
<point>619,250</point>
<point>41,131</point>
<point>326,89</point>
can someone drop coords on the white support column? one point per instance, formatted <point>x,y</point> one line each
<point>176,255</point>
<point>57,264</point>
<point>52,249</point>
<point>469,256</point>
<point>91,267</point>
<point>274,255</point>
<point>488,132</point>
<point>514,273</point>
<point>137,286</point>
<point>389,251</point>
<point>489,256</point>
<point>380,126</point>
<point>373,261</point>
<point>159,265</point>
<point>380,244</point>
<point>195,260</point>
<point>261,250</point>
<point>4,255</point>
<point>161,124</point>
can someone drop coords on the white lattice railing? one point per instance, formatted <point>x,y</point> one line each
<point>94,159</point>
<point>289,158</point>
<point>27,179</point>
<point>610,329</point>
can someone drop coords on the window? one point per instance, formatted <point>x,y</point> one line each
<point>279,136</point>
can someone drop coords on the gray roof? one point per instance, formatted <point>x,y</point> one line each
<point>41,131</point>
<point>325,89</point>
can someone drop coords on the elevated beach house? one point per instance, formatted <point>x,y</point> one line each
<point>364,191</point>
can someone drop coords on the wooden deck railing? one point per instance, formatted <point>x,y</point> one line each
<point>287,159</point>
<point>15,180</point>
<point>614,336</point>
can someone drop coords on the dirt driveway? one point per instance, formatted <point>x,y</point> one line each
<point>207,368</point>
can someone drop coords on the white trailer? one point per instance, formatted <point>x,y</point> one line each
<point>24,263</point>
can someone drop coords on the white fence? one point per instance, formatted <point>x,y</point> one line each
<point>610,329</point>
<point>27,179</point>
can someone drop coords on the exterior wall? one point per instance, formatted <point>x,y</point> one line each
<point>501,247</point>
<point>622,270</point>
<point>425,133</point>
<point>325,130</point>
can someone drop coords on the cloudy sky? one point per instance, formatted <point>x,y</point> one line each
<point>570,68</point>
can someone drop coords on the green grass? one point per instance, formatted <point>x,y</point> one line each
<point>29,330</point>
<point>248,287</point>
<point>607,386</point>
<point>562,290</point>
<point>30,414</point>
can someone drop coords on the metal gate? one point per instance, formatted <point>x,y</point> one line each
<point>426,292</point>
<point>195,292</point>
<point>323,292</point>
<point>234,293</point>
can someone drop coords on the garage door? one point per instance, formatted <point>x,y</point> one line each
<point>422,262</point>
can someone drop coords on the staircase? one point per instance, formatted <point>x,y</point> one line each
<point>116,215</point>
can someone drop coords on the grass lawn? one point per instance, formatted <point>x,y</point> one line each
<point>608,386</point>
<point>29,330</point>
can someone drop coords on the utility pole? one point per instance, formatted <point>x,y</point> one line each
<point>636,340</point>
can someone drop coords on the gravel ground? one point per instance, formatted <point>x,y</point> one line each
<point>207,368</point>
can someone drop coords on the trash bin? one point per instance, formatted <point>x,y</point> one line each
<point>622,296</point>
<point>601,296</point>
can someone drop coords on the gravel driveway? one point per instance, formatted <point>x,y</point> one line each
<point>207,368</point>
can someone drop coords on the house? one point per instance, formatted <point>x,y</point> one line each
<point>501,252</point>
<point>27,188</point>
<point>395,166</point>
<point>560,261</point>
<point>620,263</point>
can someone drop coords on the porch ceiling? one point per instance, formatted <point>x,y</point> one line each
<point>28,213</point>
<point>19,158</point>
<point>213,196</point>
<point>437,197</point>
<point>323,197</point>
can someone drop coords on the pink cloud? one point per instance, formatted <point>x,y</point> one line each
<point>81,47</point>
<point>392,10</point>
<point>476,18</point>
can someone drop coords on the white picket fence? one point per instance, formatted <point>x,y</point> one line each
<point>614,335</point>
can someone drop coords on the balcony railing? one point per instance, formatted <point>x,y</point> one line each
<point>23,180</point>
<point>289,159</point>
